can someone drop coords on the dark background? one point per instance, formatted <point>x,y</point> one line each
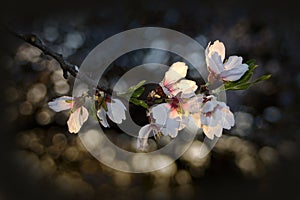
<point>267,31</point>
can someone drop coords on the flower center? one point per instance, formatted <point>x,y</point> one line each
<point>175,103</point>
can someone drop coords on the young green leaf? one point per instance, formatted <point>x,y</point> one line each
<point>139,102</point>
<point>137,93</point>
<point>135,87</point>
<point>134,90</point>
<point>244,82</point>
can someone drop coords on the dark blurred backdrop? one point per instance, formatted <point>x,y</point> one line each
<point>259,158</point>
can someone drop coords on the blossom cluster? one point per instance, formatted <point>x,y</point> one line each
<point>183,104</point>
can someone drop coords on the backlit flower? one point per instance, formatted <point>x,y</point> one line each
<point>79,114</point>
<point>230,70</point>
<point>214,116</point>
<point>115,111</point>
<point>175,82</point>
<point>163,121</point>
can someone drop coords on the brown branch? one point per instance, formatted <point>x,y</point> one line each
<point>67,67</point>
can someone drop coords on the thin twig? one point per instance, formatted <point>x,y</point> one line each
<point>67,67</point>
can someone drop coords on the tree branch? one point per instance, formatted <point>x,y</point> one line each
<point>67,67</point>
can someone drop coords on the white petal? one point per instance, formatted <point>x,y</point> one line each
<point>160,113</point>
<point>165,89</point>
<point>207,49</point>
<point>172,126</point>
<point>192,105</point>
<point>215,63</point>
<point>211,131</point>
<point>228,118</point>
<point>183,122</point>
<point>177,71</point>
<point>116,111</point>
<point>143,136</point>
<point>217,47</point>
<point>210,105</point>
<point>234,73</point>
<point>60,103</point>
<point>212,119</point>
<point>187,87</point>
<point>102,116</point>
<point>196,119</point>
<point>232,62</point>
<point>77,118</point>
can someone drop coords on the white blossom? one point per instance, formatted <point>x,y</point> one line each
<point>115,111</point>
<point>79,114</point>
<point>164,120</point>
<point>174,81</point>
<point>213,117</point>
<point>230,70</point>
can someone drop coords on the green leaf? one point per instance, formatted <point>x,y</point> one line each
<point>139,102</point>
<point>262,78</point>
<point>134,90</point>
<point>138,92</point>
<point>245,86</point>
<point>135,87</point>
<point>244,82</point>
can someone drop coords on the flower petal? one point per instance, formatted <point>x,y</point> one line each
<point>172,127</point>
<point>116,111</point>
<point>187,87</point>
<point>210,105</point>
<point>196,119</point>
<point>102,116</point>
<point>177,71</point>
<point>215,63</point>
<point>227,116</point>
<point>77,118</point>
<point>211,131</point>
<point>235,73</point>
<point>160,113</point>
<point>232,62</point>
<point>193,105</point>
<point>217,47</point>
<point>61,103</point>
<point>143,136</point>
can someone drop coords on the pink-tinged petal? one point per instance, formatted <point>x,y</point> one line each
<point>234,74</point>
<point>215,63</point>
<point>61,103</point>
<point>211,131</point>
<point>102,116</point>
<point>217,47</point>
<point>187,87</point>
<point>166,90</point>
<point>177,71</point>
<point>233,62</point>
<point>143,137</point>
<point>77,118</point>
<point>116,111</point>
<point>160,113</point>
<point>173,114</point>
